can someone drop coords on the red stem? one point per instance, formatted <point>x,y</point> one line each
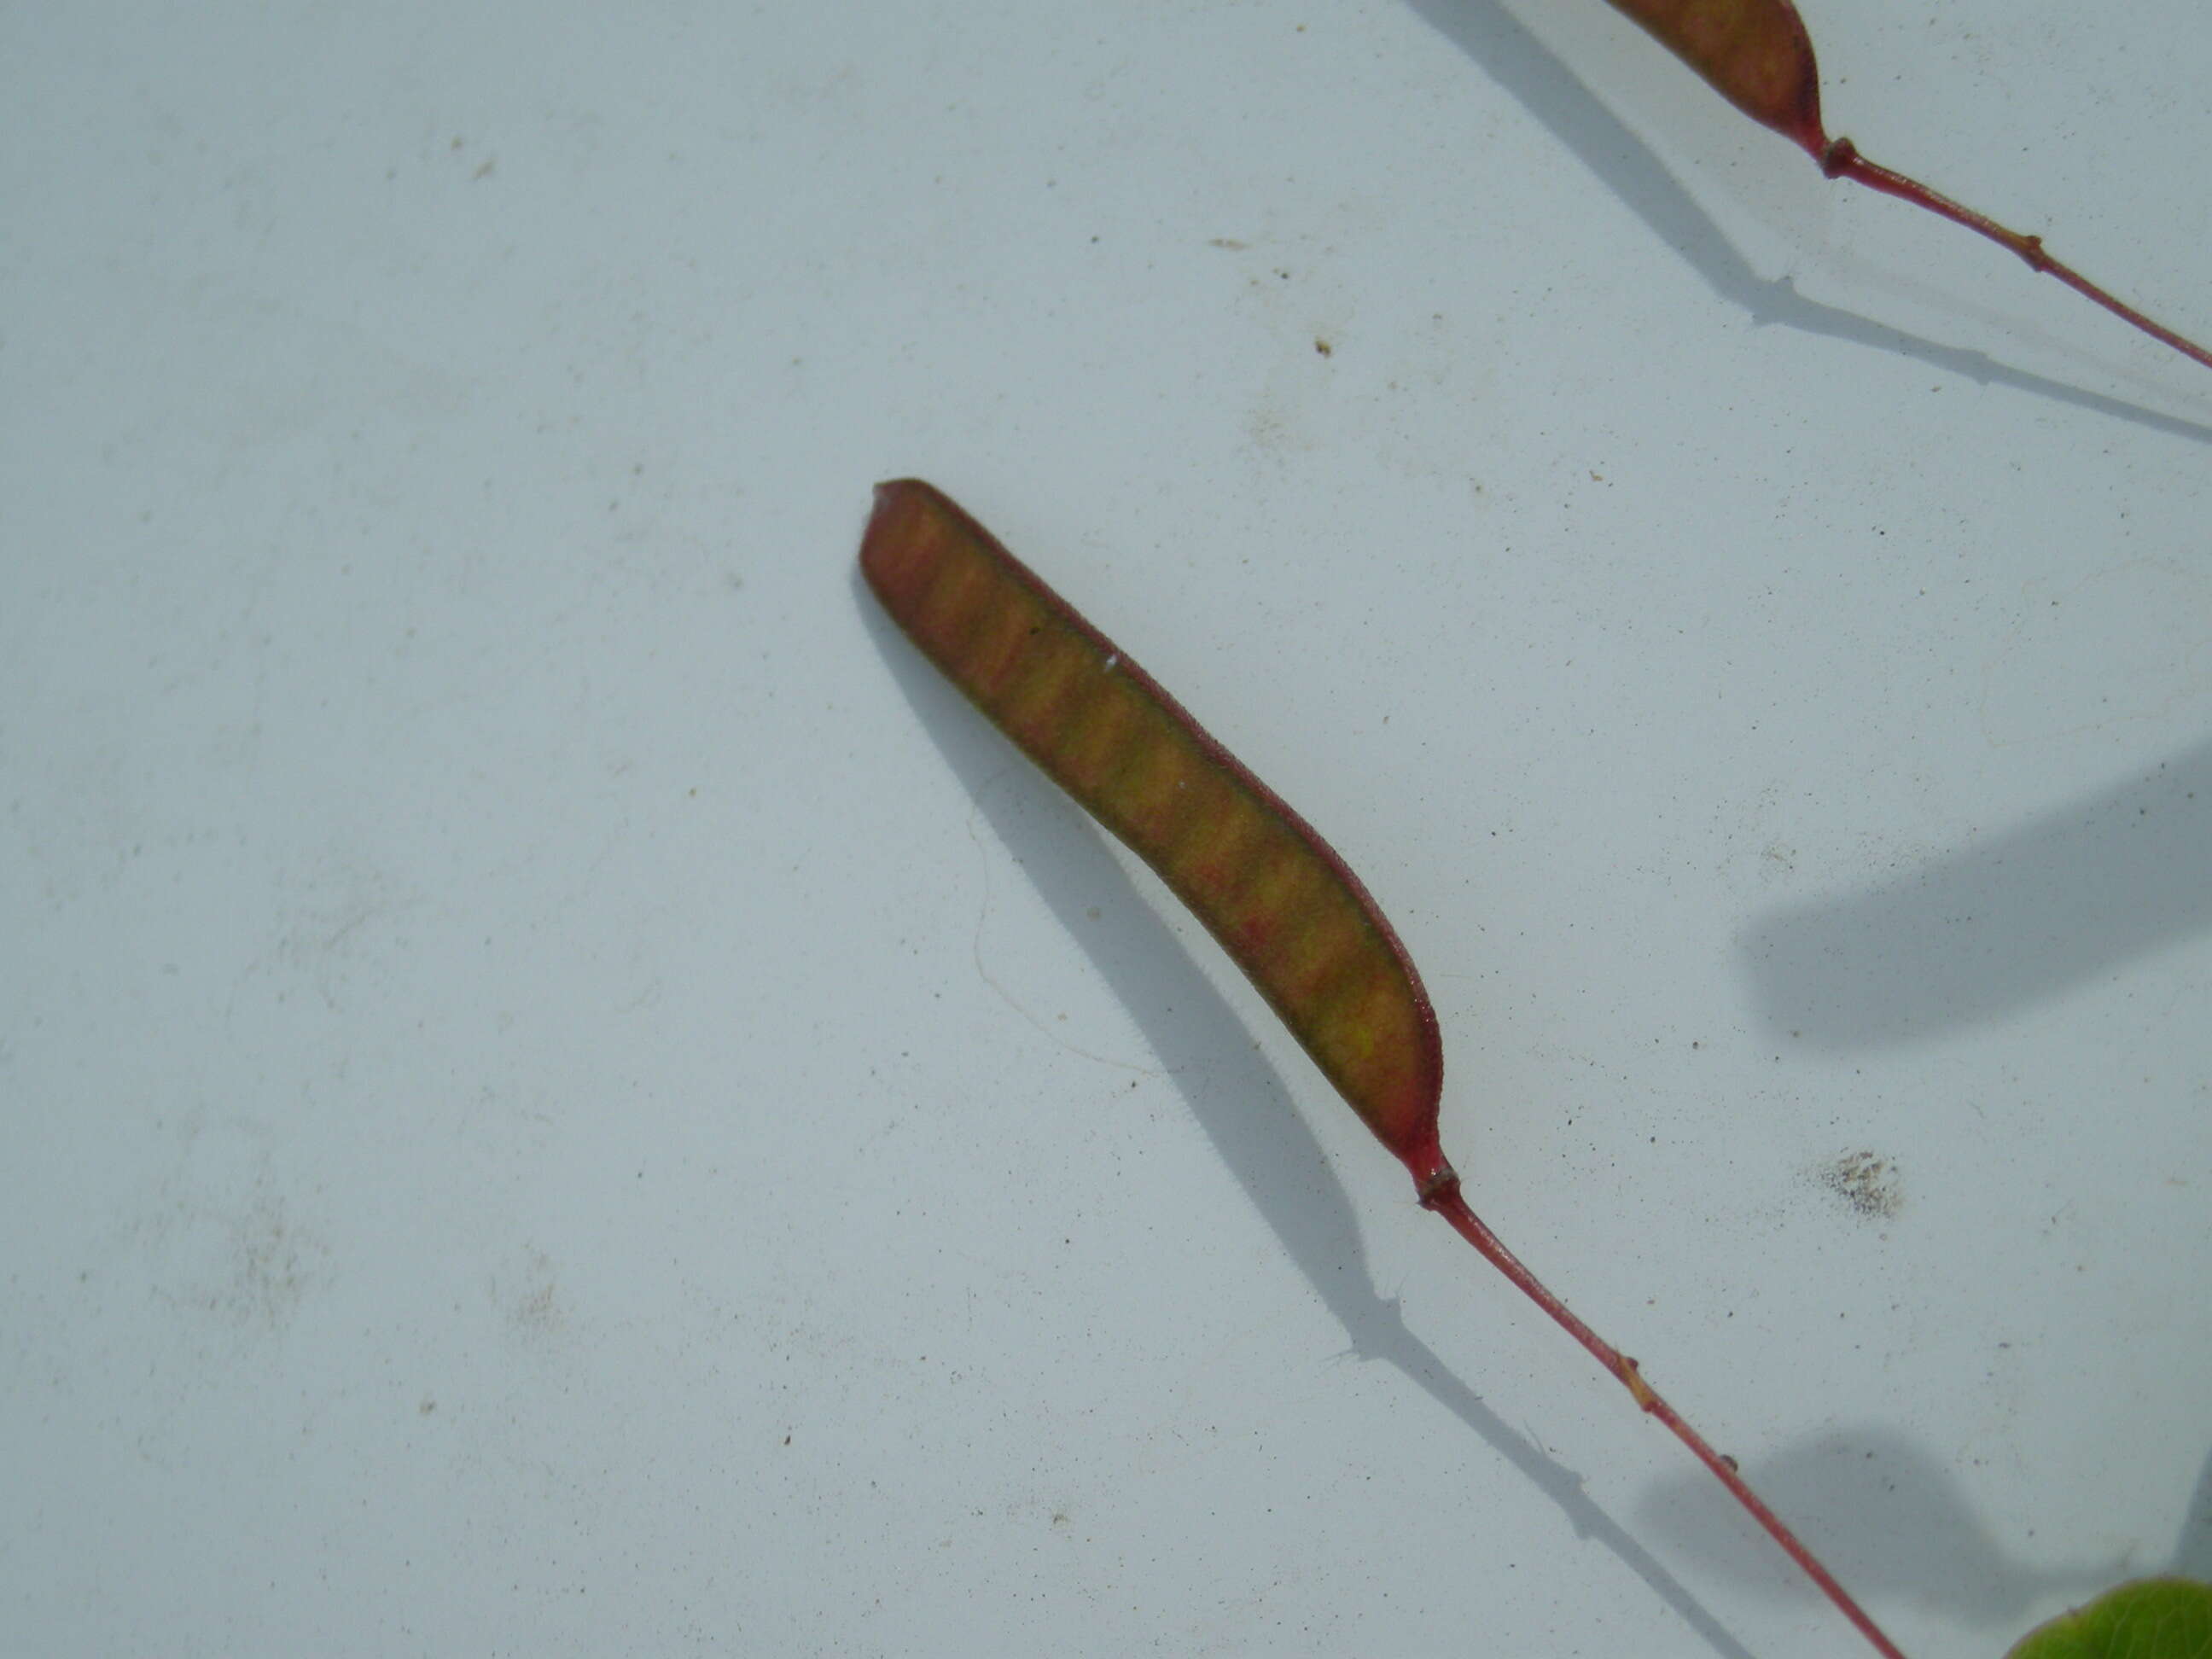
<point>1442,1195</point>
<point>1842,160</point>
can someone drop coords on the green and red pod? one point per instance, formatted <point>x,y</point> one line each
<point>1284,906</point>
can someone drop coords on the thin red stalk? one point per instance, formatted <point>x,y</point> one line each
<point>1443,1197</point>
<point>1842,160</point>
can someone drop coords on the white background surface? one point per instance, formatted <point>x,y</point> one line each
<point>562,1096</point>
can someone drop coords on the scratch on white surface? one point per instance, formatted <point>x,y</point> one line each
<point>1051,1027</point>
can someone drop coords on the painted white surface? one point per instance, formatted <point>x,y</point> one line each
<point>562,1097</point>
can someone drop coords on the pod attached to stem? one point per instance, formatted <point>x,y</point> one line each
<point>1286,908</point>
<point>1757,55</point>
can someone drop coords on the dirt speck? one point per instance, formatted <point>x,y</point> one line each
<point>535,1309</point>
<point>1866,1181</point>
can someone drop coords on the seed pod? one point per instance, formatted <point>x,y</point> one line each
<point>1280,901</point>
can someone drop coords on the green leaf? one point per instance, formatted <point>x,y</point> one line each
<point>2151,1619</point>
